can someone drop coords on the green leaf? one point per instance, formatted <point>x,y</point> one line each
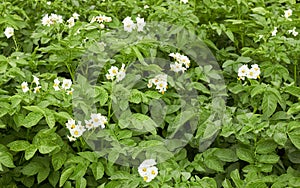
<point>266,146</point>
<point>65,175</point>
<point>43,174</point>
<point>121,175</point>
<point>230,35</point>
<point>244,59</point>
<point>19,145</point>
<point>245,154</point>
<point>235,176</point>
<point>226,155</point>
<point>6,159</point>
<point>97,169</point>
<point>280,138</point>
<point>295,137</point>
<point>269,159</point>
<point>30,151</point>
<point>293,90</point>
<point>101,95</point>
<point>143,123</point>
<point>58,159</point>
<point>81,183</point>
<point>32,168</point>
<point>214,163</point>
<point>32,119</point>
<point>50,119</point>
<point>295,108</point>
<point>90,156</point>
<point>269,104</point>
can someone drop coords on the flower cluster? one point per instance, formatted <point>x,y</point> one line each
<point>180,61</point>
<point>25,88</point>
<point>293,32</point>
<point>114,72</point>
<point>101,19</point>
<point>51,20</point>
<point>66,85</point>
<point>77,130</point>
<point>184,1</point>
<point>287,14</point>
<point>274,32</point>
<point>160,81</point>
<point>9,32</point>
<point>129,25</point>
<point>71,21</point>
<point>147,170</point>
<point>252,73</point>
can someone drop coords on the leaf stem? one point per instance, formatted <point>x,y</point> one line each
<point>295,72</point>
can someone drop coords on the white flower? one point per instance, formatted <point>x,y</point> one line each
<point>71,22</point>
<point>113,71</point>
<point>147,170</point>
<point>89,124</point>
<point>107,19</point>
<point>52,19</point>
<point>71,124</point>
<point>24,87</point>
<point>128,24</point>
<point>293,31</point>
<point>70,92</point>
<point>148,163</point>
<point>77,131</point>
<point>184,1</point>
<point>177,67</point>
<point>9,32</point>
<point>243,72</point>
<point>71,138</point>
<point>256,71</point>
<point>56,18</point>
<point>46,21</point>
<point>121,74</point>
<point>67,83</point>
<point>288,13</point>
<point>160,81</point>
<point>146,6</point>
<point>184,60</point>
<point>274,32</point>
<point>161,86</point>
<point>260,37</point>
<point>98,120</point>
<point>36,80</point>
<point>48,2</point>
<point>180,61</point>
<point>140,24</point>
<point>37,89</point>
<point>102,26</point>
<point>56,85</point>
<point>75,16</point>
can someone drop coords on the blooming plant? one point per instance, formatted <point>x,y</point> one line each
<point>155,94</point>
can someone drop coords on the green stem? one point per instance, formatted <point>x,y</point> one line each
<point>16,44</point>
<point>110,104</point>
<point>295,73</point>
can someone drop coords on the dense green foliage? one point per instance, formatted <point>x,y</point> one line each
<point>255,141</point>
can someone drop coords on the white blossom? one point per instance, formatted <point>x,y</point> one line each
<point>9,32</point>
<point>24,87</point>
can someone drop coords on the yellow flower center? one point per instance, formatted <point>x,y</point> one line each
<point>72,126</point>
<point>153,172</point>
<point>96,120</point>
<point>144,169</point>
<point>76,132</point>
<point>145,178</point>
